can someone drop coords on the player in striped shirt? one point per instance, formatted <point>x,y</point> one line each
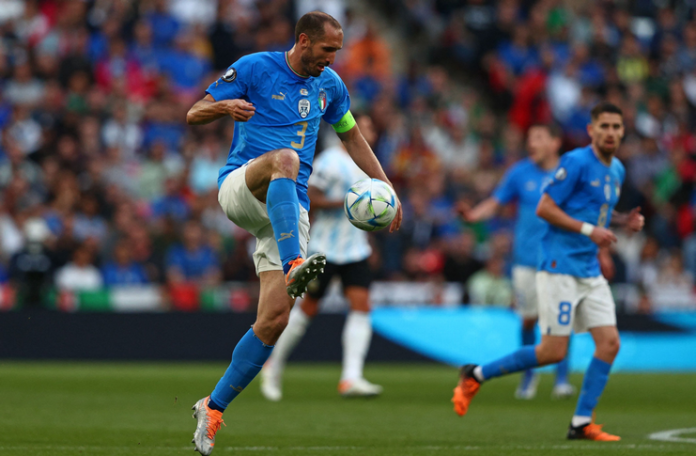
<point>347,252</point>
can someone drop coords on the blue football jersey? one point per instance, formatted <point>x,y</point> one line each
<point>524,182</point>
<point>587,190</point>
<point>289,109</point>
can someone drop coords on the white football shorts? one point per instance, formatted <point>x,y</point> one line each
<point>524,284</point>
<point>247,212</point>
<point>568,303</point>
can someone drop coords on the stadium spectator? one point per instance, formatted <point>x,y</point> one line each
<point>31,269</point>
<point>80,274</point>
<point>123,270</point>
<point>490,285</point>
<point>94,94</point>
<point>192,261</point>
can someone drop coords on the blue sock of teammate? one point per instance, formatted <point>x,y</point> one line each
<point>528,338</point>
<point>563,367</point>
<point>592,387</point>
<point>284,212</point>
<point>247,360</point>
<point>522,359</point>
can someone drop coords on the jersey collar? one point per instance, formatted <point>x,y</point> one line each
<point>287,63</point>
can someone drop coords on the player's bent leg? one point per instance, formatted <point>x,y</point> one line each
<point>274,307</point>
<point>357,334</point>
<point>549,351</point>
<point>552,349</point>
<point>251,352</point>
<point>527,388</point>
<point>272,372</point>
<point>310,306</point>
<point>272,176</point>
<point>562,388</point>
<point>524,284</point>
<point>607,347</point>
<point>276,164</point>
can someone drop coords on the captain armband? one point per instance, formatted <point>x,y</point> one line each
<point>346,123</point>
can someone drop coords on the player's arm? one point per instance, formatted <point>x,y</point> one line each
<point>634,220</point>
<point>549,211</point>
<point>361,153</point>
<point>320,201</point>
<point>485,210</point>
<point>505,192</point>
<point>207,110</point>
<point>606,263</point>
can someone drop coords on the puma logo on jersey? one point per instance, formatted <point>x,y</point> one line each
<point>284,236</point>
<point>279,97</point>
<point>595,183</point>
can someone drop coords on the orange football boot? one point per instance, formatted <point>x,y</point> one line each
<point>466,389</point>
<point>591,431</point>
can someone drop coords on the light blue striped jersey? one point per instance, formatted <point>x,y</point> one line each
<point>331,232</point>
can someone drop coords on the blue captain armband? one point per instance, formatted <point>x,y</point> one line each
<point>346,123</point>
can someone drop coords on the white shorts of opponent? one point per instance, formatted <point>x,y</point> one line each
<point>247,212</point>
<point>568,303</point>
<point>524,285</point>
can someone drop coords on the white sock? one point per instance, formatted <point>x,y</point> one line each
<point>297,326</point>
<point>478,373</point>
<point>357,334</point>
<point>580,420</point>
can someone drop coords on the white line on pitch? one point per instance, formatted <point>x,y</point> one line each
<point>673,435</point>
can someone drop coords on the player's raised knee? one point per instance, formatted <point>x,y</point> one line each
<point>286,163</point>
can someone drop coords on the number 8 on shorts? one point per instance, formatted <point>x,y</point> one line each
<point>564,313</point>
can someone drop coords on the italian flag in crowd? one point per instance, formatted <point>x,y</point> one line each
<point>151,298</point>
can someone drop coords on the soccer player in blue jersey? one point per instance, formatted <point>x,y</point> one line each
<point>277,100</point>
<point>578,205</point>
<point>524,183</point>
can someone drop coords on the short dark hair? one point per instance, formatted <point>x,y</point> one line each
<point>553,128</point>
<point>603,107</point>
<point>313,25</point>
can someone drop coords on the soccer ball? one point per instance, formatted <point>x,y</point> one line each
<point>370,204</point>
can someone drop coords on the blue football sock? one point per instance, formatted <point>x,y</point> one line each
<point>592,386</point>
<point>522,359</point>
<point>528,336</point>
<point>247,360</point>
<point>284,212</point>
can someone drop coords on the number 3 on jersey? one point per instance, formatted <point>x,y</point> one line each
<point>301,134</point>
<point>564,309</point>
<point>602,220</point>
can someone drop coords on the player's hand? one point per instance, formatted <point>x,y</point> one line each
<point>396,223</point>
<point>239,110</point>
<point>602,236</point>
<point>635,220</point>
<point>463,209</point>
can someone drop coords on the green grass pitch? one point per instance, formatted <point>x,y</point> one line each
<point>55,409</point>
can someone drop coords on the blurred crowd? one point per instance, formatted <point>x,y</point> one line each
<point>104,184</point>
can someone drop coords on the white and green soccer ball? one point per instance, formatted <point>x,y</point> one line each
<point>370,204</point>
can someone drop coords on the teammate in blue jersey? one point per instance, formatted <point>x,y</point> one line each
<point>578,205</point>
<point>524,183</point>
<point>277,100</point>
